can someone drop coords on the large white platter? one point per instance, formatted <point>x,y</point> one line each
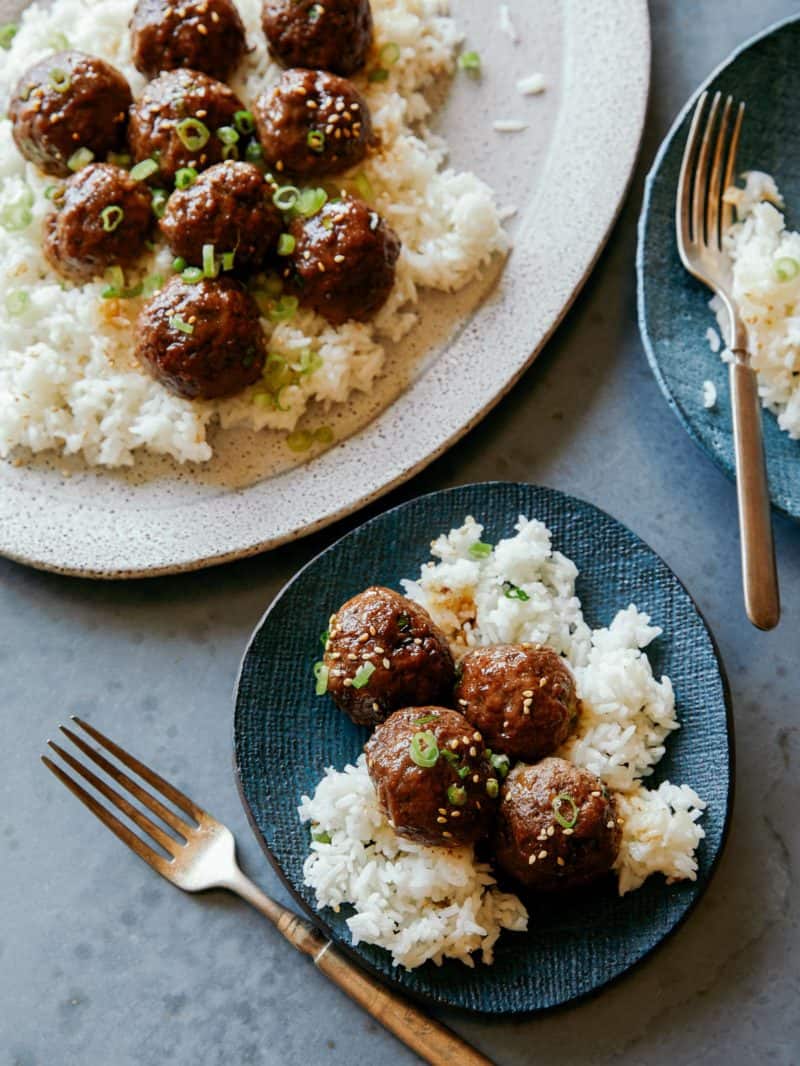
<point>567,174</point>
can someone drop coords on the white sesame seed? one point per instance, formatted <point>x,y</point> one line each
<point>531,860</point>
<point>542,854</point>
<point>386,664</point>
<point>527,693</point>
<point>550,830</point>
<point>560,861</point>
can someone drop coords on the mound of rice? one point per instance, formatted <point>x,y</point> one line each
<point>766,286</point>
<point>67,379</point>
<point>427,903</point>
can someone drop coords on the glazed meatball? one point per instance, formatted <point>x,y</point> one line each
<point>202,341</point>
<point>557,826</point>
<point>176,121</point>
<point>521,697</point>
<point>312,123</point>
<point>433,780</point>
<point>205,35</point>
<point>335,35</point>
<point>66,102</point>
<point>230,207</point>
<point>103,219</point>
<point>384,652</point>
<point>343,263</point>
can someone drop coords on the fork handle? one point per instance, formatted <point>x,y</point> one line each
<point>761,596</point>
<point>434,1043</point>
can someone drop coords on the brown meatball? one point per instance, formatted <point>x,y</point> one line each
<point>410,655</point>
<point>66,102</point>
<point>312,123</point>
<point>521,697</point>
<point>335,35</point>
<point>157,119</point>
<point>343,263</point>
<point>103,219</point>
<point>557,826</point>
<point>205,35</point>
<point>202,341</point>
<point>229,206</point>
<point>447,801</point>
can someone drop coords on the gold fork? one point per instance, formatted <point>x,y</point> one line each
<point>701,218</point>
<point>202,855</point>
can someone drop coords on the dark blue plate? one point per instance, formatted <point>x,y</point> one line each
<point>285,737</point>
<point>673,307</point>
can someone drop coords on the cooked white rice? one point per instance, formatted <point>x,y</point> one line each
<point>766,286</point>
<point>413,900</point>
<point>67,380</point>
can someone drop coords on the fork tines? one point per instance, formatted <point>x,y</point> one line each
<point>181,824</point>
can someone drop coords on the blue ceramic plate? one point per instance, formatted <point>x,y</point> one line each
<point>673,307</point>
<point>285,737</point>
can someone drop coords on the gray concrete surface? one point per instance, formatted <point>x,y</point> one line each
<point>102,964</point>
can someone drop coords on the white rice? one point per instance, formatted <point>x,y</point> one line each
<point>532,85</point>
<point>709,395</point>
<point>509,125</point>
<point>413,900</point>
<point>67,380</point>
<point>506,24</point>
<point>766,287</point>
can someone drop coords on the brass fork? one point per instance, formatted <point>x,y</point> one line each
<point>200,854</point>
<point>701,218</point>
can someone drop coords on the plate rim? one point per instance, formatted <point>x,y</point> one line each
<point>317,918</point>
<point>713,454</point>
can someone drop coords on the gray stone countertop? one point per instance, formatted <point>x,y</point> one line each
<point>103,964</point>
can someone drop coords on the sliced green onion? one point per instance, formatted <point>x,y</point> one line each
<point>59,80</point>
<point>470,62</point>
<point>451,756</point>
<point>80,158</point>
<point>254,153</point>
<point>230,151</point>
<point>389,54</point>
<point>492,788</point>
<point>228,135</point>
<point>311,202</point>
<point>286,244</point>
<point>403,623</point>
<point>191,275</point>
<point>120,159</point>
<point>176,322</point>
<point>361,680</point>
<point>228,259</point>
<point>15,217</point>
<point>112,217</point>
<point>178,264</point>
<point>152,283</point>
<point>321,677</point>
<point>283,309</point>
<point>324,638</point>
<point>428,718</point>
<point>378,74</point>
<point>185,177</point>
<point>364,187</point>
<point>58,42</point>
<point>115,278</point>
<point>323,435</point>
<point>158,202</point>
<point>786,269</point>
<point>321,838</point>
<point>480,550</point>
<point>300,441</point>
<point>286,197</point>
<point>7,34</point>
<point>463,771</point>
<point>210,266</point>
<point>564,820</point>
<point>315,139</point>
<point>144,170</point>
<point>513,592</point>
<point>16,302</point>
<point>50,191</point>
<point>193,134</point>
<point>424,750</point>
<point>500,763</point>
<point>244,122</point>
<point>457,795</point>
<point>150,245</point>
<point>314,12</point>
<point>308,363</point>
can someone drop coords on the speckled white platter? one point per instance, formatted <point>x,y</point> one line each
<point>566,174</point>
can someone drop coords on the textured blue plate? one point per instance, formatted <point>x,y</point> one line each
<point>285,737</point>
<point>673,307</point>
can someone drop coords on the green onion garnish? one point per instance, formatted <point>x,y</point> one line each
<point>286,197</point>
<point>492,788</point>
<point>116,282</point>
<point>564,820</point>
<point>50,191</point>
<point>500,763</point>
<point>191,275</point>
<point>286,244</point>
<point>193,134</point>
<point>80,158</point>
<point>514,592</point>
<point>142,171</point>
<point>424,750</point>
<point>112,216</point>
<point>311,202</point>
<point>786,269</point>
<point>451,756</point>
<point>59,80</point>
<point>420,722</point>
<point>120,159</point>
<point>389,54</point>
<point>178,264</point>
<point>7,34</point>
<point>228,135</point>
<point>283,309</point>
<point>176,322</point>
<point>480,550</point>
<point>470,62</point>
<point>315,139</point>
<point>403,623</point>
<point>314,12</point>
<point>324,638</point>
<point>364,187</point>
<point>158,202</point>
<point>16,302</point>
<point>228,259</point>
<point>230,151</point>
<point>210,266</point>
<point>244,122</point>
<point>185,177</point>
<point>463,771</point>
<point>457,795</point>
<point>254,153</point>
<point>299,441</point>
<point>321,677</point>
<point>323,434</point>
<point>321,838</point>
<point>309,362</point>
<point>363,675</point>
<point>378,74</point>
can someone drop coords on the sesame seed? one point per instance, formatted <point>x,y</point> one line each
<point>306,254</point>
<point>363,638</point>
<point>542,854</point>
<point>376,706</point>
<point>463,703</point>
<point>506,724</point>
<point>348,681</point>
<point>568,832</point>
<point>417,640</point>
<point>454,742</point>
<point>596,793</point>
<point>202,30</point>
<point>347,115</point>
<point>443,810</point>
<point>473,752</point>
<point>465,740</point>
<point>202,113</point>
<point>441,821</point>
<point>531,860</point>
<point>476,779</point>
<point>214,16</point>
<point>446,834</point>
<point>337,134</point>
<point>550,830</point>
<point>386,664</point>
<point>378,649</point>
<point>560,861</point>
<point>527,693</point>
<point>476,737</point>
<point>455,814</point>
<point>312,104</point>
<point>321,267</point>
<point>338,259</point>
<point>355,107</point>
<point>373,632</point>
<point>353,658</point>
<point>543,682</point>
<point>611,824</point>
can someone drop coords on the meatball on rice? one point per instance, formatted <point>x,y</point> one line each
<point>205,35</point>
<point>335,35</point>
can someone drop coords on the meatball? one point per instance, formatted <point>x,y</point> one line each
<point>384,652</point>
<point>433,780</point>
<point>336,35</point>
<point>66,102</point>
<point>102,220</point>
<point>557,826</point>
<point>202,341</point>
<point>176,119</point>
<point>205,35</point>
<point>230,207</point>
<point>313,123</point>
<point>343,263</point>
<point>521,697</point>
